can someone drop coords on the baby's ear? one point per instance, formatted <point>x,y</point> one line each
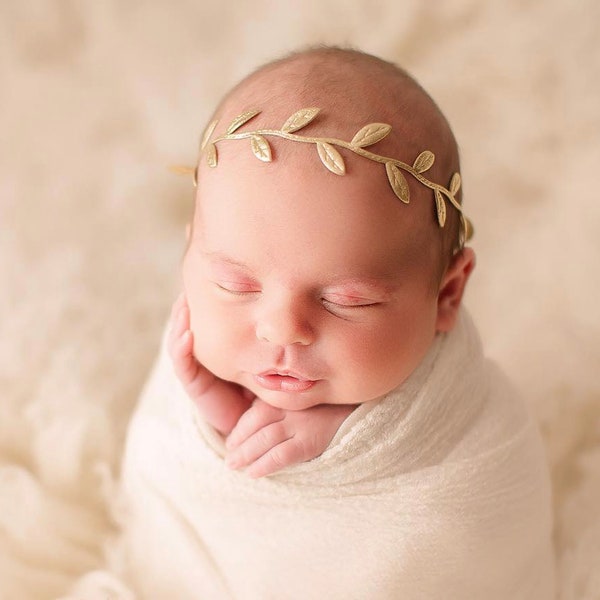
<point>452,288</point>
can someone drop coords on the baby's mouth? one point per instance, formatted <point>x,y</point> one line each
<point>284,381</point>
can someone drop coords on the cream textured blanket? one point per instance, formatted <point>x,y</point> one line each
<point>438,490</point>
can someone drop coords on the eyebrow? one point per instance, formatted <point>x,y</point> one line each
<point>375,284</point>
<point>219,256</point>
<point>379,286</point>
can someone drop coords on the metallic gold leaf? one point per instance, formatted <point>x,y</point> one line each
<point>398,182</point>
<point>241,119</point>
<point>468,228</point>
<point>181,170</point>
<point>260,148</point>
<point>424,161</point>
<point>300,119</point>
<point>331,158</point>
<point>441,207</point>
<point>454,183</point>
<point>370,134</point>
<point>211,155</point>
<point>207,133</point>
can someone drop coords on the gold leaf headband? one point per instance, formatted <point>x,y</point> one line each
<point>332,159</point>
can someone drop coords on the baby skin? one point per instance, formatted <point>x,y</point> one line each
<point>259,437</point>
<point>307,293</point>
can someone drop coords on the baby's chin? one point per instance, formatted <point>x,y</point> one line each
<point>286,400</point>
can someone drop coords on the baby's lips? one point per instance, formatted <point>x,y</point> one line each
<point>284,382</point>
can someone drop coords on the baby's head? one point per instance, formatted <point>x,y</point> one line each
<point>308,286</point>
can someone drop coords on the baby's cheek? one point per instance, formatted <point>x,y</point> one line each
<point>208,343</point>
<point>213,340</point>
<point>379,363</point>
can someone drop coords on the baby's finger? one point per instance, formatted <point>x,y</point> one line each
<point>179,305</point>
<point>285,454</point>
<point>181,348</point>
<point>259,415</point>
<point>257,445</point>
<point>179,302</point>
<point>179,326</point>
<point>185,364</point>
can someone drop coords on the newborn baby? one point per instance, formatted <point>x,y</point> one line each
<point>321,319</point>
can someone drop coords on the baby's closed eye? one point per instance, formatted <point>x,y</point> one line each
<point>349,301</point>
<point>237,287</point>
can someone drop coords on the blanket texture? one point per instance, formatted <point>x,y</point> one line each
<point>437,490</point>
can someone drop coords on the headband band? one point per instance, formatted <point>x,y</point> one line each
<point>332,159</point>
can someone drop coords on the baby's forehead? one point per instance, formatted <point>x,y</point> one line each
<point>278,213</point>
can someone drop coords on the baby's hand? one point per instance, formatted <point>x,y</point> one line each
<point>267,439</point>
<point>220,402</point>
<point>262,438</point>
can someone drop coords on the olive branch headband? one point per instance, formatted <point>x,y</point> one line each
<point>330,157</point>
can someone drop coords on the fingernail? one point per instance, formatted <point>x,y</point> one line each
<point>232,462</point>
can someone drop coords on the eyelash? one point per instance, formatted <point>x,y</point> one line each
<point>344,306</point>
<point>235,292</point>
<point>326,303</point>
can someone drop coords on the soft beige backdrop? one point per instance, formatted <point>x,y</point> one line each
<point>98,98</point>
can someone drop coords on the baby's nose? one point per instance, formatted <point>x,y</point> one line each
<point>284,324</point>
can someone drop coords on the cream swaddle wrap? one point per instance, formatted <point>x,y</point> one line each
<point>438,490</point>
